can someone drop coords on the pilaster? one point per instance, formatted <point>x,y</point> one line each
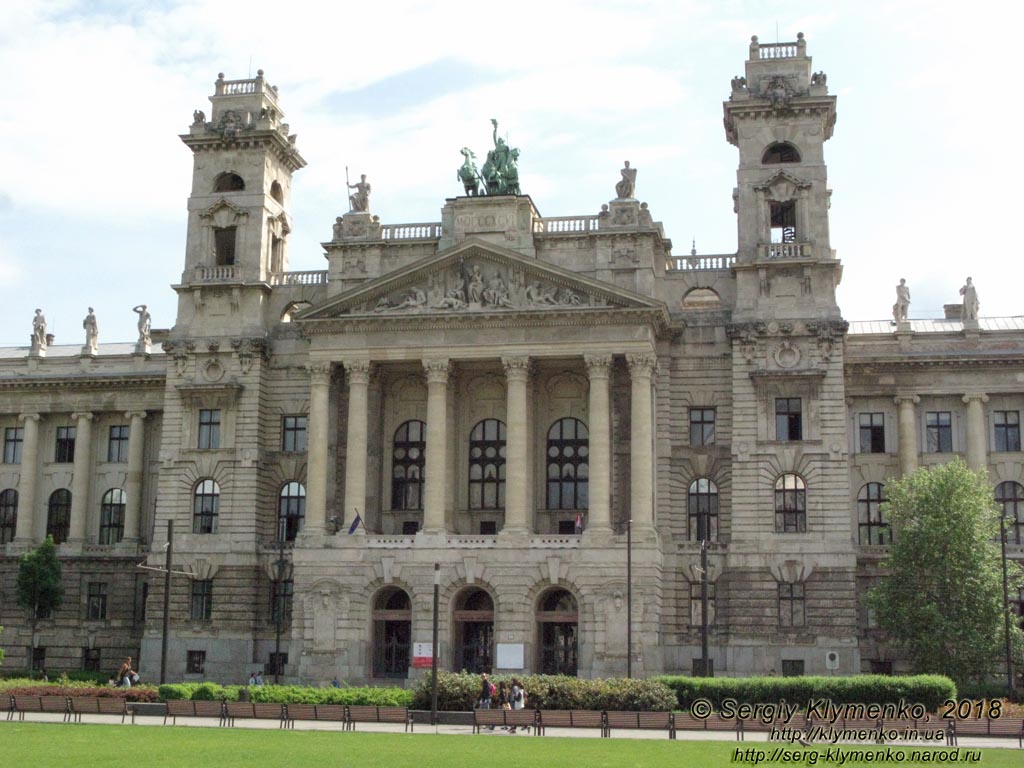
<point>437,445</point>
<point>23,532</point>
<point>80,482</point>
<point>907,432</point>
<point>518,515</point>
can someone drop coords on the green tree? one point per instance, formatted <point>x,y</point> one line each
<point>942,599</point>
<point>40,588</point>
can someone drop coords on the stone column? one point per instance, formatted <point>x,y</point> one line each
<point>907,432</point>
<point>641,448</point>
<point>316,449</point>
<point>976,434</point>
<point>599,516</point>
<point>82,476</point>
<point>133,484</point>
<point>23,533</point>
<point>518,517</point>
<point>436,469</point>
<point>358,373</point>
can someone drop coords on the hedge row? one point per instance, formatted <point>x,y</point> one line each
<point>72,675</point>
<point>35,688</point>
<point>288,694</point>
<point>930,690</point>
<point>459,692</point>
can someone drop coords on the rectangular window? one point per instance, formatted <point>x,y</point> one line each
<point>880,667</point>
<point>38,656</point>
<point>91,659</point>
<point>939,431</point>
<point>410,527</point>
<point>293,433</point>
<point>281,595</point>
<point>872,433</point>
<point>490,528</point>
<point>783,221</point>
<point>224,246</point>
<point>792,611</point>
<point>13,438</point>
<point>702,426</point>
<point>65,451</point>
<point>696,604</point>
<point>117,445</point>
<point>96,609</point>
<point>697,668</point>
<point>788,421</point>
<point>201,608</point>
<point>209,428</point>
<point>195,663</point>
<point>1007,430</point>
<point>276,663</point>
<point>566,527</point>
<point>792,667</point>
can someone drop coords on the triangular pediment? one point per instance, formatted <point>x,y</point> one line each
<point>782,185</point>
<point>474,278</point>
<point>224,204</point>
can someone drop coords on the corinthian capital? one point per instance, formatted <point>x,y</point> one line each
<point>358,371</point>
<point>437,371</point>
<point>598,366</point>
<point>516,368</point>
<point>641,365</point>
<point>319,372</point>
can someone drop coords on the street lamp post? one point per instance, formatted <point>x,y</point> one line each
<point>704,608</point>
<point>1006,609</point>
<point>167,602</point>
<point>281,573</point>
<point>629,598</point>
<point>433,651</point>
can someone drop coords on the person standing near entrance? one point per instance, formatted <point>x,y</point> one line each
<point>484,701</point>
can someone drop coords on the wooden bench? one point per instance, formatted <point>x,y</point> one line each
<point>23,704</point>
<point>488,718</point>
<point>98,705</point>
<point>247,710</point>
<point>293,712</point>
<point>7,705</point>
<point>183,708</point>
<point>357,713</point>
<point>331,713</point>
<point>570,718</point>
<point>645,721</point>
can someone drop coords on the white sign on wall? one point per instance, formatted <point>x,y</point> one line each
<point>510,656</point>
<point>422,655</point>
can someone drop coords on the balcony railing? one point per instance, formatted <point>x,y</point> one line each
<point>309,277</point>
<point>555,224</point>
<point>694,263</point>
<point>795,50</point>
<point>787,250</point>
<point>219,274</point>
<point>431,231</point>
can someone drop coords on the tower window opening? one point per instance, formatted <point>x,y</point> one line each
<point>783,222</point>
<point>780,152</point>
<point>277,193</point>
<point>228,182</point>
<point>224,246</point>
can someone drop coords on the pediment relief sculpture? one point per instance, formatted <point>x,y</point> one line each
<point>782,186</point>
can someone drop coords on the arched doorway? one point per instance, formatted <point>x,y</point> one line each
<point>557,631</point>
<point>474,631</point>
<point>392,633</point>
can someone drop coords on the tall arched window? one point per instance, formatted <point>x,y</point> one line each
<point>474,630</point>
<point>112,516</point>
<point>291,511</point>
<point>568,468</point>
<point>872,526</point>
<point>408,452</point>
<point>392,633</point>
<point>58,515</point>
<point>206,507</point>
<point>702,505</point>
<point>8,515</point>
<point>1010,497</point>
<point>790,504</point>
<point>557,623</point>
<point>487,465</point>
<point>780,152</point>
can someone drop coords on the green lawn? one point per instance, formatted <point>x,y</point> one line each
<point>112,746</point>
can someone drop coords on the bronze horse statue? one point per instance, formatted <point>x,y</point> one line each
<point>467,174</point>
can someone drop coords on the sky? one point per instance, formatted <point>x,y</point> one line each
<point>922,162</point>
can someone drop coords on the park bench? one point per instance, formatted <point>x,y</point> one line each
<point>645,721</point>
<point>511,718</point>
<point>103,705</point>
<point>183,708</point>
<point>7,705</point>
<point>23,704</point>
<point>1002,727</point>
<point>293,712</point>
<point>569,718</point>
<point>247,710</point>
<point>356,713</point>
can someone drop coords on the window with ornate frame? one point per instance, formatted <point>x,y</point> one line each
<point>939,432</point>
<point>408,460</point>
<point>702,508</point>
<point>792,605</point>
<point>487,465</point>
<point>1010,498</point>
<point>568,469</point>
<point>1007,429</point>
<point>209,429</point>
<point>8,515</point>
<point>58,515</point>
<point>206,507</point>
<point>201,602</point>
<point>871,525</point>
<point>790,504</point>
<point>291,510</point>
<point>112,516</point>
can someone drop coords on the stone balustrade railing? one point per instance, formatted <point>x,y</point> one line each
<point>787,250</point>
<point>794,50</point>
<point>555,542</point>
<point>390,542</point>
<point>216,274</point>
<point>692,263</point>
<point>554,224</point>
<point>431,231</point>
<point>308,277</point>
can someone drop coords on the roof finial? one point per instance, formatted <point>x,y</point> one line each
<point>693,247</point>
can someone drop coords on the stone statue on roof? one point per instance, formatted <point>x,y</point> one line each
<point>39,330</point>
<point>902,305</point>
<point>971,303</point>
<point>500,171</point>
<point>92,333</point>
<point>625,189</point>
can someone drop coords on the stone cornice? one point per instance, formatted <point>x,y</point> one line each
<point>961,360</point>
<point>85,381</point>
<point>271,139</point>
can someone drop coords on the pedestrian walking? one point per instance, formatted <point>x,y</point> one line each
<point>518,700</point>
<point>503,699</point>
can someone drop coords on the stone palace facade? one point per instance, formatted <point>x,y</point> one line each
<point>497,393</point>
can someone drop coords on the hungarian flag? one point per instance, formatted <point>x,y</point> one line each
<point>579,523</point>
<point>355,524</point>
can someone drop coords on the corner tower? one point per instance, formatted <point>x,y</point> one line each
<point>779,115</point>
<point>238,222</point>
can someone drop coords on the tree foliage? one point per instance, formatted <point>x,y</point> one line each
<point>40,588</point>
<point>942,599</point>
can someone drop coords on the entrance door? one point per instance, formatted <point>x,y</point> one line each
<point>557,624</point>
<point>474,631</point>
<point>392,634</point>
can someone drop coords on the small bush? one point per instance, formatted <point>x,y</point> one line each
<point>929,690</point>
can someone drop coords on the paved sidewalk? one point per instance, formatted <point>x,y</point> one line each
<point>467,730</point>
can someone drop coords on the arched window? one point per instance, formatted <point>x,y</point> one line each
<point>277,193</point>
<point>703,510</point>
<point>702,298</point>
<point>407,462</point>
<point>1010,497</point>
<point>780,152</point>
<point>487,465</point>
<point>568,470</point>
<point>112,516</point>
<point>291,511</point>
<point>790,504</point>
<point>872,526</point>
<point>8,515</point>
<point>228,182</point>
<point>557,623</point>
<point>58,515</point>
<point>392,633</point>
<point>205,507</point>
<point>474,630</point>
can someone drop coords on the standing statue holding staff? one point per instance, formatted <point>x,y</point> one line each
<point>360,201</point>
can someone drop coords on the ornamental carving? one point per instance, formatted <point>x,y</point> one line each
<point>248,350</point>
<point>179,352</point>
<point>474,286</point>
<point>787,354</point>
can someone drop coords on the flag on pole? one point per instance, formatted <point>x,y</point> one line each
<point>355,524</point>
<point>579,523</point>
